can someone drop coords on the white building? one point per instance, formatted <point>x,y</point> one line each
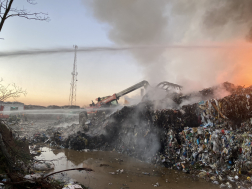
<point>10,107</point>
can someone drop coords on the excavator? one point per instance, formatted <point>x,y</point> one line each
<point>108,101</point>
<point>112,101</point>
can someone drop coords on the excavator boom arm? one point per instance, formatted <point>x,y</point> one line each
<point>132,88</point>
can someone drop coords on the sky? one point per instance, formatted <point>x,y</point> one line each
<point>47,78</point>
<point>195,44</point>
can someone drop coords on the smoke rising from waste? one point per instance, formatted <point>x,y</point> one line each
<point>147,22</point>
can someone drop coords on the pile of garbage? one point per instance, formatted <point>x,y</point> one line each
<point>212,138</point>
<point>39,137</point>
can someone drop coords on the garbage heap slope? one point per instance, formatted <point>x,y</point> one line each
<point>211,131</point>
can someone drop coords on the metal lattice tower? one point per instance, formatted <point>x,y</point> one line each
<point>73,86</point>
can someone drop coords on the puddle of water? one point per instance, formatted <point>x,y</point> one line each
<point>132,177</point>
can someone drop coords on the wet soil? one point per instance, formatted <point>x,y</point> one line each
<point>136,174</point>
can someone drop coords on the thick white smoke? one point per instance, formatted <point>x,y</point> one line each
<point>163,22</point>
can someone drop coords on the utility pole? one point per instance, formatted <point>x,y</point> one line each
<point>73,86</point>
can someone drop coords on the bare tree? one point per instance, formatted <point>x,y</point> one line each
<point>10,91</point>
<point>6,11</point>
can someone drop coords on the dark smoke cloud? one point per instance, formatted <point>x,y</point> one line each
<point>229,12</point>
<point>217,20</point>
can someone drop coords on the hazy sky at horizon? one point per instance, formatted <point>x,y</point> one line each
<point>96,23</point>
<point>47,77</point>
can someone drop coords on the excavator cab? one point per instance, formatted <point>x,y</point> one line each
<point>114,103</point>
<point>111,103</point>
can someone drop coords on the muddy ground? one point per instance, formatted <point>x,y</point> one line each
<point>108,172</point>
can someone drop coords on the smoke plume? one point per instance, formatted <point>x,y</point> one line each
<point>173,22</point>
